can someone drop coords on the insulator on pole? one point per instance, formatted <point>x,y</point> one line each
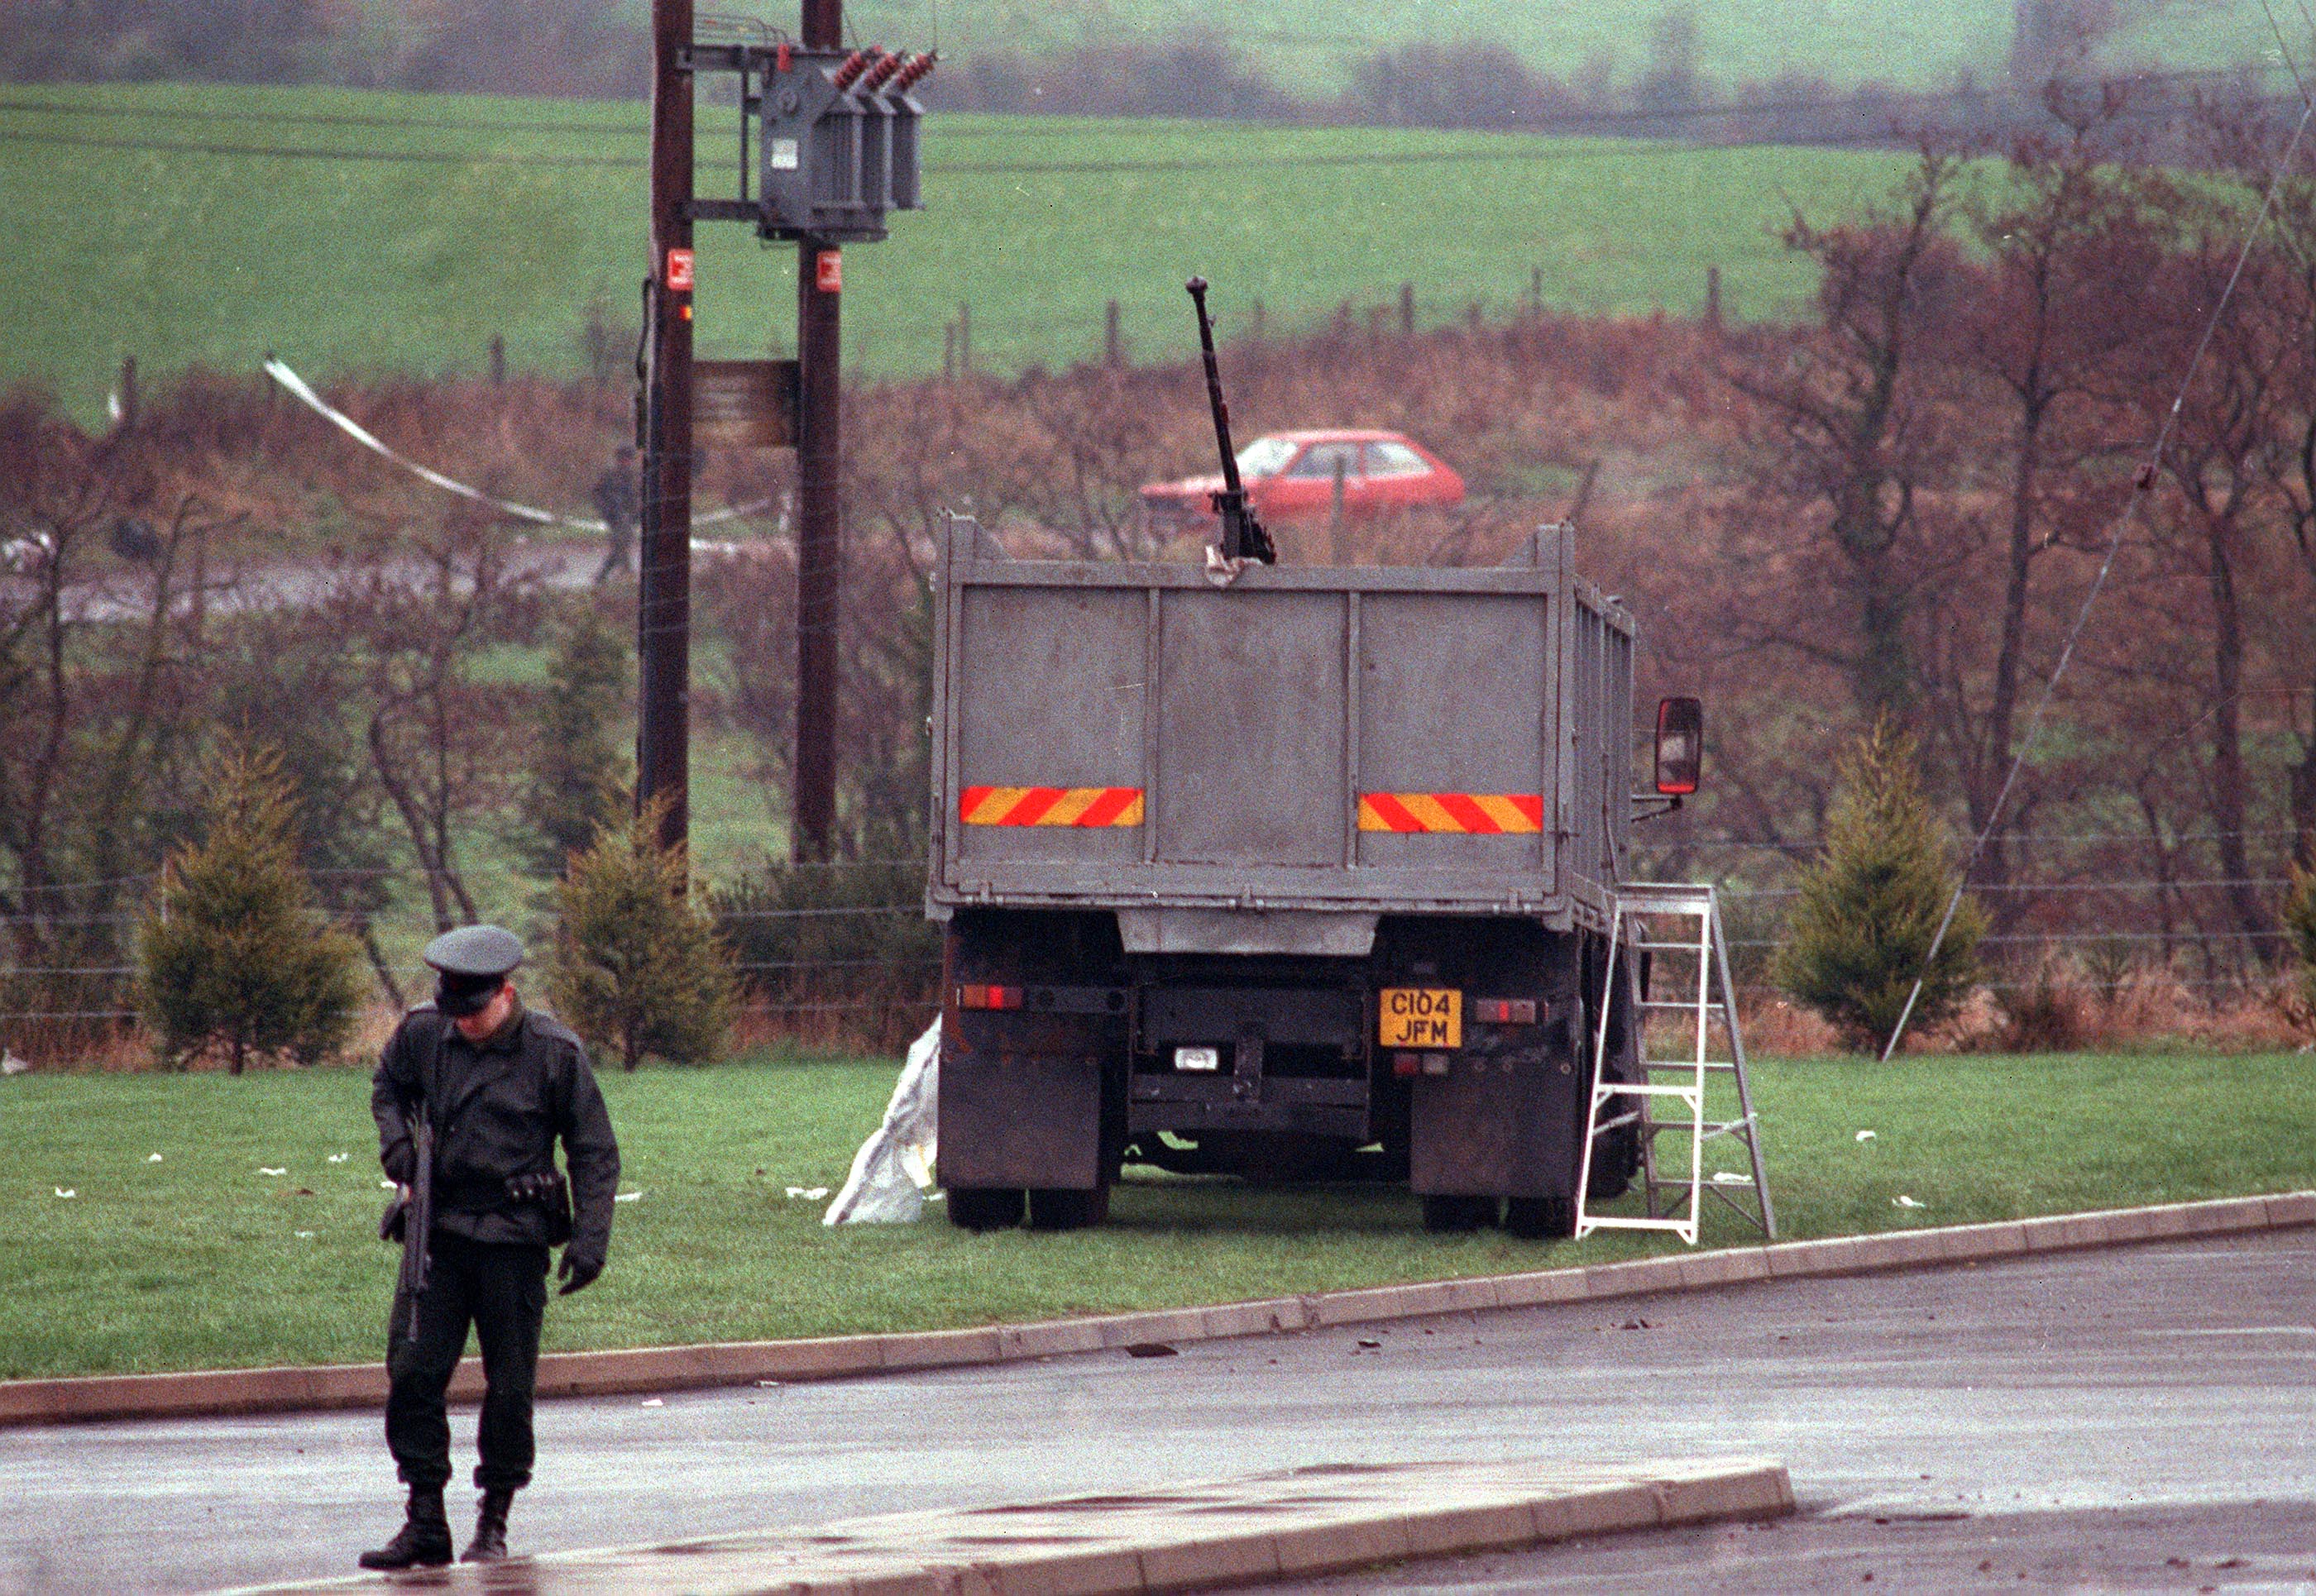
<point>854,65</point>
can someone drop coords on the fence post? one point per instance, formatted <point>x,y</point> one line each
<point>498,358</point>
<point>127,394</point>
<point>964,339</point>
<point>1113,347</point>
<point>1713,298</point>
<point>1407,310</point>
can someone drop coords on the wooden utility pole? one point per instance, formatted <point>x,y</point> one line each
<point>664,597</point>
<point>820,281</point>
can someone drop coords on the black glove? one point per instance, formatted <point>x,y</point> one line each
<point>400,1162</point>
<point>577,1271</point>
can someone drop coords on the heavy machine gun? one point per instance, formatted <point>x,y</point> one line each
<point>1243,538</point>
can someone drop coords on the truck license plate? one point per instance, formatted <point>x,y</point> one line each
<point>1422,1017</point>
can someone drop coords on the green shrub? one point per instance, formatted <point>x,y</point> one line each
<point>230,957</point>
<point>2300,919</point>
<point>1869,907</point>
<point>578,775</point>
<point>839,951</point>
<point>639,966</point>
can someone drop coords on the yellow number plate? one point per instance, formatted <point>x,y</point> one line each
<point>1422,1017</point>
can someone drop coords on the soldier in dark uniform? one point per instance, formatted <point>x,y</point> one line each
<point>499,1086</point>
<point>617,502</point>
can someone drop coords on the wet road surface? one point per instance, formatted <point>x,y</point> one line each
<point>2163,1396</point>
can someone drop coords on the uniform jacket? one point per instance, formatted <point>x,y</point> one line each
<point>502,1103</point>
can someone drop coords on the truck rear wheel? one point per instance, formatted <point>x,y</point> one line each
<point>1539,1219</point>
<point>1457,1216</point>
<point>1068,1210</point>
<point>984,1208</point>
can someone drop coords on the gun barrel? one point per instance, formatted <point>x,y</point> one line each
<point>1214,401</point>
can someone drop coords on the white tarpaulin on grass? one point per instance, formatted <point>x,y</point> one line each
<point>894,1168</point>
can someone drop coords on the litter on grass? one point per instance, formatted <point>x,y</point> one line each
<point>339,1157</point>
<point>811,1193</point>
<point>152,1158</point>
<point>66,1191</point>
<point>1865,1136</point>
<point>894,1167</point>
<point>1902,1201</point>
<point>262,1169</point>
<point>627,1196</point>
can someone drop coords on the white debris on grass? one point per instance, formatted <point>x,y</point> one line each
<point>339,1157</point>
<point>809,1193</point>
<point>893,1167</point>
<point>262,1169</point>
<point>1902,1201</point>
<point>10,1064</point>
<point>66,1191</point>
<point>627,1196</point>
<point>303,1234</point>
<point>152,1158</point>
<point>1865,1136</point>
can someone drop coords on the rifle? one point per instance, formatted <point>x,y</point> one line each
<point>410,1218</point>
<point>418,1213</point>
<point>1243,538</point>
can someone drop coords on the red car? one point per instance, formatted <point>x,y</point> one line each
<point>1291,475</point>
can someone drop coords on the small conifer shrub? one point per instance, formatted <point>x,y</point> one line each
<point>233,958</point>
<point>579,777</point>
<point>638,967</point>
<point>1870,905</point>
<point>2300,920</point>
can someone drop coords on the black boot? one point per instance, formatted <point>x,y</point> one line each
<point>489,1545</point>
<point>425,1538</point>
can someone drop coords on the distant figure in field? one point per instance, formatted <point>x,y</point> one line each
<point>616,501</point>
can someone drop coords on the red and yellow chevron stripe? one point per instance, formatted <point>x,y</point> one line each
<point>1051,806</point>
<point>1490,812</point>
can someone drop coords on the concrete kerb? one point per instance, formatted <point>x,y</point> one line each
<point>219,1392</point>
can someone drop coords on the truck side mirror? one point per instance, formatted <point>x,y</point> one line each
<point>1680,745</point>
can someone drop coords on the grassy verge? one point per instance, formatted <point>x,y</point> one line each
<point>204,1260</point>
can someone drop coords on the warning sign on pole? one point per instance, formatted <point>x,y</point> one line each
<point>679,271</point>
<point>828,271</point>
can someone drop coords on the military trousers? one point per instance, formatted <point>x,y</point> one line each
<point>500,1290</point>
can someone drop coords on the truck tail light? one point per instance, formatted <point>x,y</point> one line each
<point>1504,1011</point>
<point>988,996</point>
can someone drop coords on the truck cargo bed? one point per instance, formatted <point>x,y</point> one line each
<point>1302,749</point>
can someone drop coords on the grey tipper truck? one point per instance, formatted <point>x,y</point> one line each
<point>1286,871</point>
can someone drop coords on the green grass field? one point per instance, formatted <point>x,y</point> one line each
<point>202,1259</point>
<point>341,262</point>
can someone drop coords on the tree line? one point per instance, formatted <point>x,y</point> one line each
<point>601,49</point>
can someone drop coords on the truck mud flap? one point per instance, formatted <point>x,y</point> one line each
<point>1501,1126</point>
<point>1021,1120</point>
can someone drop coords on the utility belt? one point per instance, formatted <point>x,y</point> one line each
<point>545,1190</point>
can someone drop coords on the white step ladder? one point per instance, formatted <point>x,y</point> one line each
<point>1672,1201</point>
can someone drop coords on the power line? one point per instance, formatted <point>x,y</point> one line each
<point>1859,101</point>
<point>1636,149</point>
